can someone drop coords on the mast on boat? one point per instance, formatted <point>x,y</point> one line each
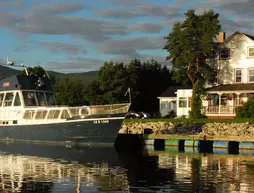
<point>12,63</point>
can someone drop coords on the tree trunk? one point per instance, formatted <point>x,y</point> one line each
<point>194,85</point>
<point>188,74</point>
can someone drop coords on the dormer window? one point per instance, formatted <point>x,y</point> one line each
<point>250,51</point>
<point>224,53</point>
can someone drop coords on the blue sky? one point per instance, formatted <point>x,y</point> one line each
<point>79,35</point>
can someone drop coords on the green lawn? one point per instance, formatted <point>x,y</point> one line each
<point>182,120</point>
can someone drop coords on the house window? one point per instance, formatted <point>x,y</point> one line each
<point>251,75</point>
<point>251,52</point>
<point>182,102</point>
<point>224,53</point>
<point>238,75</point>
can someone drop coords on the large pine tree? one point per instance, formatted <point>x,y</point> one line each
<point>190,45</point>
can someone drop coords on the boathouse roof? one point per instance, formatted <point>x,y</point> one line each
<point>23,82</point>
<point>171,91</point>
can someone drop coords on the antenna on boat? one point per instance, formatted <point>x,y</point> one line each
<point>12,63</point>
<point>45,70</point>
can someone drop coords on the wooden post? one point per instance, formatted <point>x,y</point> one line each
<point>237,101</point>
<point>219,102</point>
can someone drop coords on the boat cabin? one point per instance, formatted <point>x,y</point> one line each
<point>26,91</point>
<point>30,100</point>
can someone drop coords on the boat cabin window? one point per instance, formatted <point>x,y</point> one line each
<point>29,98</point>
<point>8,99</point>
<point>17,101</point>
<point>41,99</point>
<point>50,99</point>
<point>1,99</point>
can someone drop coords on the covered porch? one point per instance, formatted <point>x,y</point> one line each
<point>222,101</point>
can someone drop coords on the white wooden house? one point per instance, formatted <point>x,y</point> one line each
<point>235,77</point>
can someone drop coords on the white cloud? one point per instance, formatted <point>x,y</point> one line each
<point>59,7</point>
<point>131,45</point>
<point>153,10</point>
<point>147,27</point>
<point>57,47</point>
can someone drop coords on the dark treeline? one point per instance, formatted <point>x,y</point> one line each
<point>147,81</point>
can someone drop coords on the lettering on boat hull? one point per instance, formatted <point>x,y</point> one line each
<point>101,121</point>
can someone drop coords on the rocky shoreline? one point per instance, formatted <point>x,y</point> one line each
<point>208,129</point>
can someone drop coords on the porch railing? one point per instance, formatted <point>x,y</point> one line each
<point>219,109</point>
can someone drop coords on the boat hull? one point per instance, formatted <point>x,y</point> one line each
<point>100,130</point>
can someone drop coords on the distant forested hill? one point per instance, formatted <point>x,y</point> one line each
<point>84,77</point>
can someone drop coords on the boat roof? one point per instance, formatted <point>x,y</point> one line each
<point>24,82</point>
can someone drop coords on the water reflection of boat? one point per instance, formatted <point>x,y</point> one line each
<point>126,170</point>
<point>28,112</point>
<point>29,173</point>
<point>80,155</point>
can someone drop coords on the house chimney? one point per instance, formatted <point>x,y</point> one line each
<point>222,37</point>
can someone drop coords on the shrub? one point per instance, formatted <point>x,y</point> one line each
<point>247,110</point>
<point>171,114</point>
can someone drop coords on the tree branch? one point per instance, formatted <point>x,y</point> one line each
<point>197,64</point>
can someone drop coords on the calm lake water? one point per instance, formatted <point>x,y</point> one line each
<point>42,169</point>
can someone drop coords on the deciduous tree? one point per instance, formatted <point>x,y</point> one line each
<point>147,81</point>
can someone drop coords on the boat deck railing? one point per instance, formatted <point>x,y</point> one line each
<point>64,112</point>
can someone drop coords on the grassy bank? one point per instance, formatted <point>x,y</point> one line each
<point>184,120</point>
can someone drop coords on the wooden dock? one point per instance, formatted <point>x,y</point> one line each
<point>205,143</point>
<point>201,137</point>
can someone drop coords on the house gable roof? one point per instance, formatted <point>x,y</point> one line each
<point>237,33</point>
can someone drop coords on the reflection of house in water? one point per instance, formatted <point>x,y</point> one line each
<point>182,165</point>
<point>223,173</point>
<point>35,174</point>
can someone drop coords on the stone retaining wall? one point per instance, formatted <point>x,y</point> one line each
<point>208,129</point>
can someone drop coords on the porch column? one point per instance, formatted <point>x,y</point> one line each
<point>237,99</point>
<point>219,101</point>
